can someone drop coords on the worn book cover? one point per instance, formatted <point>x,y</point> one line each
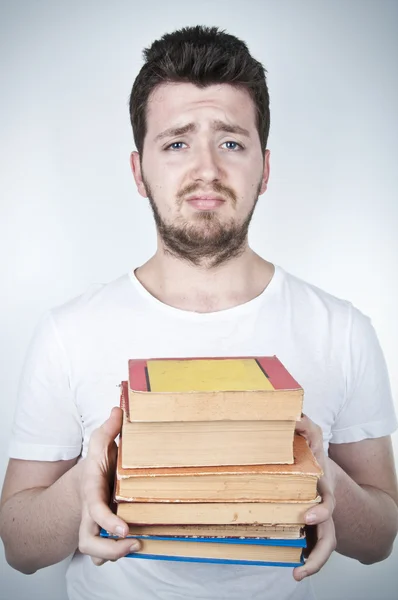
<point>203,389</point>
<point>297,481</point>
<point>154,444</point>
<point>220,531</point>
<point>214,513</point>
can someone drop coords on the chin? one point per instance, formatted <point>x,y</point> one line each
<point>206,229</point>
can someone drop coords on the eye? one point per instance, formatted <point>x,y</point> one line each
<point>233,145</point>
<point>175,146</point>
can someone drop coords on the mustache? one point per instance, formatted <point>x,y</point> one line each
<point>216,187</point>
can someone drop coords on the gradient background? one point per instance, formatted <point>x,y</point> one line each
<point>70,214</point>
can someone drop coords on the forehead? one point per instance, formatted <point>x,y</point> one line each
<point>172,103</point>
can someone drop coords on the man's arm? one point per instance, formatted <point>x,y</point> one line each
<point>40,512</point>
<point>49,509</point>
<point>365,489</point>
<point>359,488</point>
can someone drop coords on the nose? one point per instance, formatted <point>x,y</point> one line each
<point>206,167</point>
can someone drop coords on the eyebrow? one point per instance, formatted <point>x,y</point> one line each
<point>190,127</point>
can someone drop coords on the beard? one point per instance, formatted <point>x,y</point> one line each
<point>206,241</point>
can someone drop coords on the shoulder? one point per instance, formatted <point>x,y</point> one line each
<point>98,300</point>
<point>327,322</point>
<point>316,303</point>
<point>308,292</point>
<point>87,315</point>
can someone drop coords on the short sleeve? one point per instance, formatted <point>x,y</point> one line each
<point>368,408</point>
<point>47,425</point>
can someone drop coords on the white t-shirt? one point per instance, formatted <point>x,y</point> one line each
<point>79,356</point>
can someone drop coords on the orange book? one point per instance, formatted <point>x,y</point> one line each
<point>214,513</point>
<point>297,481</point>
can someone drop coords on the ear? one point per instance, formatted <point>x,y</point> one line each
<point>135,165</point>
<point>265,177</point>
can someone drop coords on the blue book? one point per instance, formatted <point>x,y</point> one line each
<point>238,551</point>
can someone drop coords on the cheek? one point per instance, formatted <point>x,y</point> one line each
<point>174,167</point>
<point>247,189</point>
<point>167,167</point>
<point>243,167</point>
<point>155,174</point>
<point>162,184</point>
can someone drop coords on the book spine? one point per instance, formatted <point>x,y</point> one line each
<point>124,403</point>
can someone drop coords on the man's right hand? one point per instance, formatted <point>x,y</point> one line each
<point>96,481</point>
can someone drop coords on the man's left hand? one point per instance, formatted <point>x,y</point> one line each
<point>321,514</point>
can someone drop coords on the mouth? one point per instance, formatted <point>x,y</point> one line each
<point>205,202</point>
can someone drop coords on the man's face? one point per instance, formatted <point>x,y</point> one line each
<point>202,168</point>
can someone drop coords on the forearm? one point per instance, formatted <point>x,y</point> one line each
<point>40,526</point>
<point>366,519</point>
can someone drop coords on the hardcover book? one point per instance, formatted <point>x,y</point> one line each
<point>297,481</point>
<point>214,513</point>
<point>212,389</point>
<point>272,552</point>
<point>203,443</point>
<point>220,531</point>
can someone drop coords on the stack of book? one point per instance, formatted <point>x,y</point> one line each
<point>209,467</point>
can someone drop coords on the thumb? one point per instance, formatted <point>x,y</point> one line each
<point>107,432</point>
<point>303,425</point>
<point>112,426</point>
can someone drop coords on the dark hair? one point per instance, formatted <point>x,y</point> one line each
<point>203,56</point>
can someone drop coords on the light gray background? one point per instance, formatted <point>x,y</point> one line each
<point>70,214</point>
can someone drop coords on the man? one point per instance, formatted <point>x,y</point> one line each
<point>200,116</point>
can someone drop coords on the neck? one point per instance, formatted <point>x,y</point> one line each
<point>180,284</point>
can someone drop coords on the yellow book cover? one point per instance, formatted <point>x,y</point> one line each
<point>230,388</point>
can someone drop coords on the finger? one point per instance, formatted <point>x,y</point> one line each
<point>98,515</point>
<point>305,424</point>
<point>112,426</point>
<point>99,561</point>
<point>323,549</point>
<point>311,432</point>
<point>321,512</point>
<point>300,423</point>
<point>102,549</point>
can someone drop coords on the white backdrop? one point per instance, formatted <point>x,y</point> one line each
<point>70,214</point>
